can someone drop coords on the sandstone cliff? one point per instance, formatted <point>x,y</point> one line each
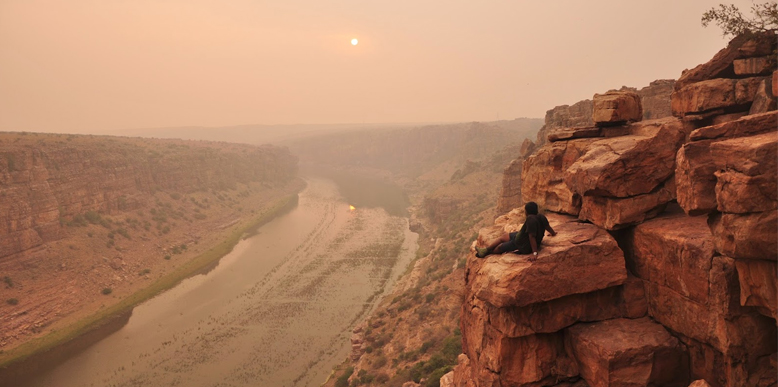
<point>655,103</point>
<point>664,269</point>
<point>82,214</point>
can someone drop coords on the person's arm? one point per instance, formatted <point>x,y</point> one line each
<point>551,230</point>
<point>534,244</point>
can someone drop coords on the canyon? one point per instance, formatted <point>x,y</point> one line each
<point>91,225</point>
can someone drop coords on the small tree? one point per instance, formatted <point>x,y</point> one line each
<point>732,22</point>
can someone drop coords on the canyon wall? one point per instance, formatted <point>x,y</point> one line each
<point>663,271</point>
<point>655,102</point>
<point>46,180</point>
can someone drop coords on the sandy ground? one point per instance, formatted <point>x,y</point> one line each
<point>277,311</point>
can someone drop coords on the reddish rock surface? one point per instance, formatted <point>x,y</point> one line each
<point>542,176</point>
<point>616,107</point>
<point>758,285</point>
<point>582,258</point>
<point>626,352</point>
<point>617,213</point>
<point>745,126</point>
<point>628,165</point>
<point>760,65</point>
<point>510,193</point>
<point>695,178</point>
<point>674,251</point>
<point>719,93</point>
<point>722,64</point>
<point>746,236</point>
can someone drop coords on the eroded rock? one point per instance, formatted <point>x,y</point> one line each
<point>582,258</point>
<point>758,285</point>
<point>625,352</point>
<point>616,107</point>
<point>746,236</point>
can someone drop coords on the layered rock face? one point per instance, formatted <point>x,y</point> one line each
<point>663,271</point>
<point>44,184</point>
<point>578,122</point>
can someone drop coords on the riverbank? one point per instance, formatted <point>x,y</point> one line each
<point>209,245</point>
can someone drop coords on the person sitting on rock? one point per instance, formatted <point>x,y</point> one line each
<point>525,241</point>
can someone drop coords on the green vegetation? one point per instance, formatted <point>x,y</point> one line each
<point>342,380</point>
<point>9,283</point>
<point>144,272</point>
<point>12,301</point>
<point>764,17</point>
<point>107,291</point>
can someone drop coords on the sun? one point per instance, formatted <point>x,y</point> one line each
<point>354,42</point>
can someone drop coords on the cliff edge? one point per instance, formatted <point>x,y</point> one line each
<point>664,269</point>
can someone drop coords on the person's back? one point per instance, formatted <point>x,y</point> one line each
<point>525,241</point>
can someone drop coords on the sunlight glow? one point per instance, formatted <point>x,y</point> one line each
<point>351,208</point>
<point>354,42</point>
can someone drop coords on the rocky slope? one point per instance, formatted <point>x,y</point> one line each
<point>82,217</point>
<point>664,269</point>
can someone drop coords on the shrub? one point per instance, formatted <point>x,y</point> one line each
<point>12,301</point>
<point>167,257</point>
<point>144,271</point>
<point>342,380</point>
<point>107,291</point>
<point>93,217</point>
<point>8,282</point>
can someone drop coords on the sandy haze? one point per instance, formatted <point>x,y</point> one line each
<point>95,66</point>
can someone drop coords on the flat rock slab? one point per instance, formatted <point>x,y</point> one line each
<point>616,107</point>
<point>758,285</point>
<point>582,258</point>
<point>675,251</point>
<point>628,165</point>
<point>745,126</point>
<point>624,352</point>
<point>712,94</point>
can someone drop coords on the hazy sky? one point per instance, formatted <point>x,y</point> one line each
<point>90,66</point>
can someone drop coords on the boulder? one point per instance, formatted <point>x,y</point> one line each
<point>564,134</point>
<point>761,65</point>
<point>764,100</point>
<point>616,107</point>
<point>746,236</point>
<point>774,83</point>
<point>542,176</point>
<point>625,352</point>
<point>616,213</point>
<point>719,93</point>
<point>721,65</point>
<point>510,193</point>
<point>447,380</point>
<point>674,251</point>
<point>745,126</point>
<point>724,371</point>
<point>699,383</point>
<point>695,179</point>
<point>629,165</point>
<point>582,258</point>
<point>758,285</point>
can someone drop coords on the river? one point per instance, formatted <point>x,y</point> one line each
<point>276,311</point>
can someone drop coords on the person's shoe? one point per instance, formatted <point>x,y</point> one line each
<point>481,251</point>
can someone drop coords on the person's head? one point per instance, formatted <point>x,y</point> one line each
<point>531,208</point>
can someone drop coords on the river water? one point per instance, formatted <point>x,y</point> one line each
<point>276,311</point>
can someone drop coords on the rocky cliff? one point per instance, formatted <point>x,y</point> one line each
<point>655,103</point>
<point>46,181</point>
<point>663,271</point>
<point>82,217</point>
